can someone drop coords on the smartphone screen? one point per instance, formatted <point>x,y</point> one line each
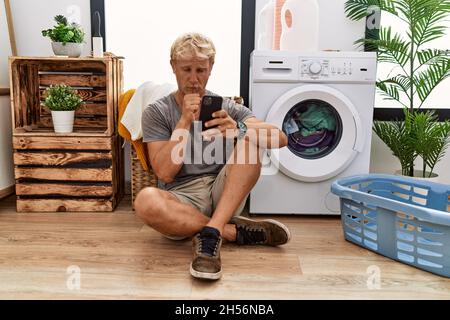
<point>210,104</point>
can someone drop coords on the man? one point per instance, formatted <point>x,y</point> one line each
<point>204,199</point>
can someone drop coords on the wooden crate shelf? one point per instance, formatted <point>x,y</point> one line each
<point>82,174</point>
<point>78,171</point>
<point>97,81</point>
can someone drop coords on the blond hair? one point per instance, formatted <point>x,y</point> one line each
<point>193,45</point>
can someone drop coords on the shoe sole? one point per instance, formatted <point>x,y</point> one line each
<point>282,226</point>
<point>205,275</point>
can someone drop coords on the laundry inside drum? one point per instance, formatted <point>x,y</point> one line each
<point>314,129</point>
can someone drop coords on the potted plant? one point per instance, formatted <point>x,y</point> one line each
<point>416,72</point>
<point>67,39</point>
<point>62,101</point>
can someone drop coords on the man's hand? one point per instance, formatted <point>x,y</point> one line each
<point>226,126</point>
<point>191,107</point>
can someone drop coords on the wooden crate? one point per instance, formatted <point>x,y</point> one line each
<point>79,171</point>
<point>68,173</point>
<point>97,80</point>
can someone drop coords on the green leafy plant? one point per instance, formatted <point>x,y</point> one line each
<point>64,32</point>
<point>431,139</point>
<point>418,135</point>
<point>62,98</point>
<point>416,72</point>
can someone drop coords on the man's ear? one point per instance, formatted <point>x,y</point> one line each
<point>172,63</point>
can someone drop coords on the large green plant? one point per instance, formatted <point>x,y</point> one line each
<point>62,98</point>
<point>64,32</point>
<point>416,72</point>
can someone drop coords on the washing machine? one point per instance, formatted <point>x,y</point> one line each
<point>324,103</point>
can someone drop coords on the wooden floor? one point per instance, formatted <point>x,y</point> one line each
<point>121,258</point>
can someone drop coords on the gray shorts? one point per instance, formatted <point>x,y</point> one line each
<point>204,194</point>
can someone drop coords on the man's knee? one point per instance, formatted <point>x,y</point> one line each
<point>147,202</point>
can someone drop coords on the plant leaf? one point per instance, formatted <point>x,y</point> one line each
<point>432,138</point>
<point>431,56</point>
<point>441,136</point>
<point>60,19</point>
<point>390,92</point>
<point>397,136</point>
<point>427,20</point>
<point>391,47</point>
<point>425,81</point>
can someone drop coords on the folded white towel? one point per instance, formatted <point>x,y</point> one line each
<point>145,94</point>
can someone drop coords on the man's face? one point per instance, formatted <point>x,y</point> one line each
<point>192,74</point>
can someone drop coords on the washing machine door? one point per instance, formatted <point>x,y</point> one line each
<point>324,132</point>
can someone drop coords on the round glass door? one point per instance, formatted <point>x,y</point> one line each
<point>324,132</point>
<point>314,129</point>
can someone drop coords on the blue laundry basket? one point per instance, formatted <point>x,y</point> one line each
<point>399,217</point>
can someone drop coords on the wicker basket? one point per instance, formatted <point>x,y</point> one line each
<point>141,178</point>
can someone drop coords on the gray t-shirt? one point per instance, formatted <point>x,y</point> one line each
<point>202,158</point>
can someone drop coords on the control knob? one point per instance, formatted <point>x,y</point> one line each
<point>315,68</point>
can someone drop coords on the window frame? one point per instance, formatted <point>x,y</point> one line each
<point>98,5</point>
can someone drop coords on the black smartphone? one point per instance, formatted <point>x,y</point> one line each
<point>210,104</point>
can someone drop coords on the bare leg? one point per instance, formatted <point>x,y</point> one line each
<point>162,211</point>
<point>241,176</point>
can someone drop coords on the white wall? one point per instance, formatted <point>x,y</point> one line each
<point>6,161</point>
<point>32,16</point>
<point>5,49</point>
<point>143,32</point>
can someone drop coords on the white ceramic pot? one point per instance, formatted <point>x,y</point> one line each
<point>70,49</point>
<point>63,121</point>
<point>418,174</point>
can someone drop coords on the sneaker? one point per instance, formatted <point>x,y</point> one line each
<point>206,247</point>
<point>266,232</point>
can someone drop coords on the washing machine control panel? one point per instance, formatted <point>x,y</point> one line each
<point>325,69</point>
<point>329,67</point>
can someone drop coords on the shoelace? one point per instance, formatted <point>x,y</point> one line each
<point>247,235</point>
<point>208,244</point>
